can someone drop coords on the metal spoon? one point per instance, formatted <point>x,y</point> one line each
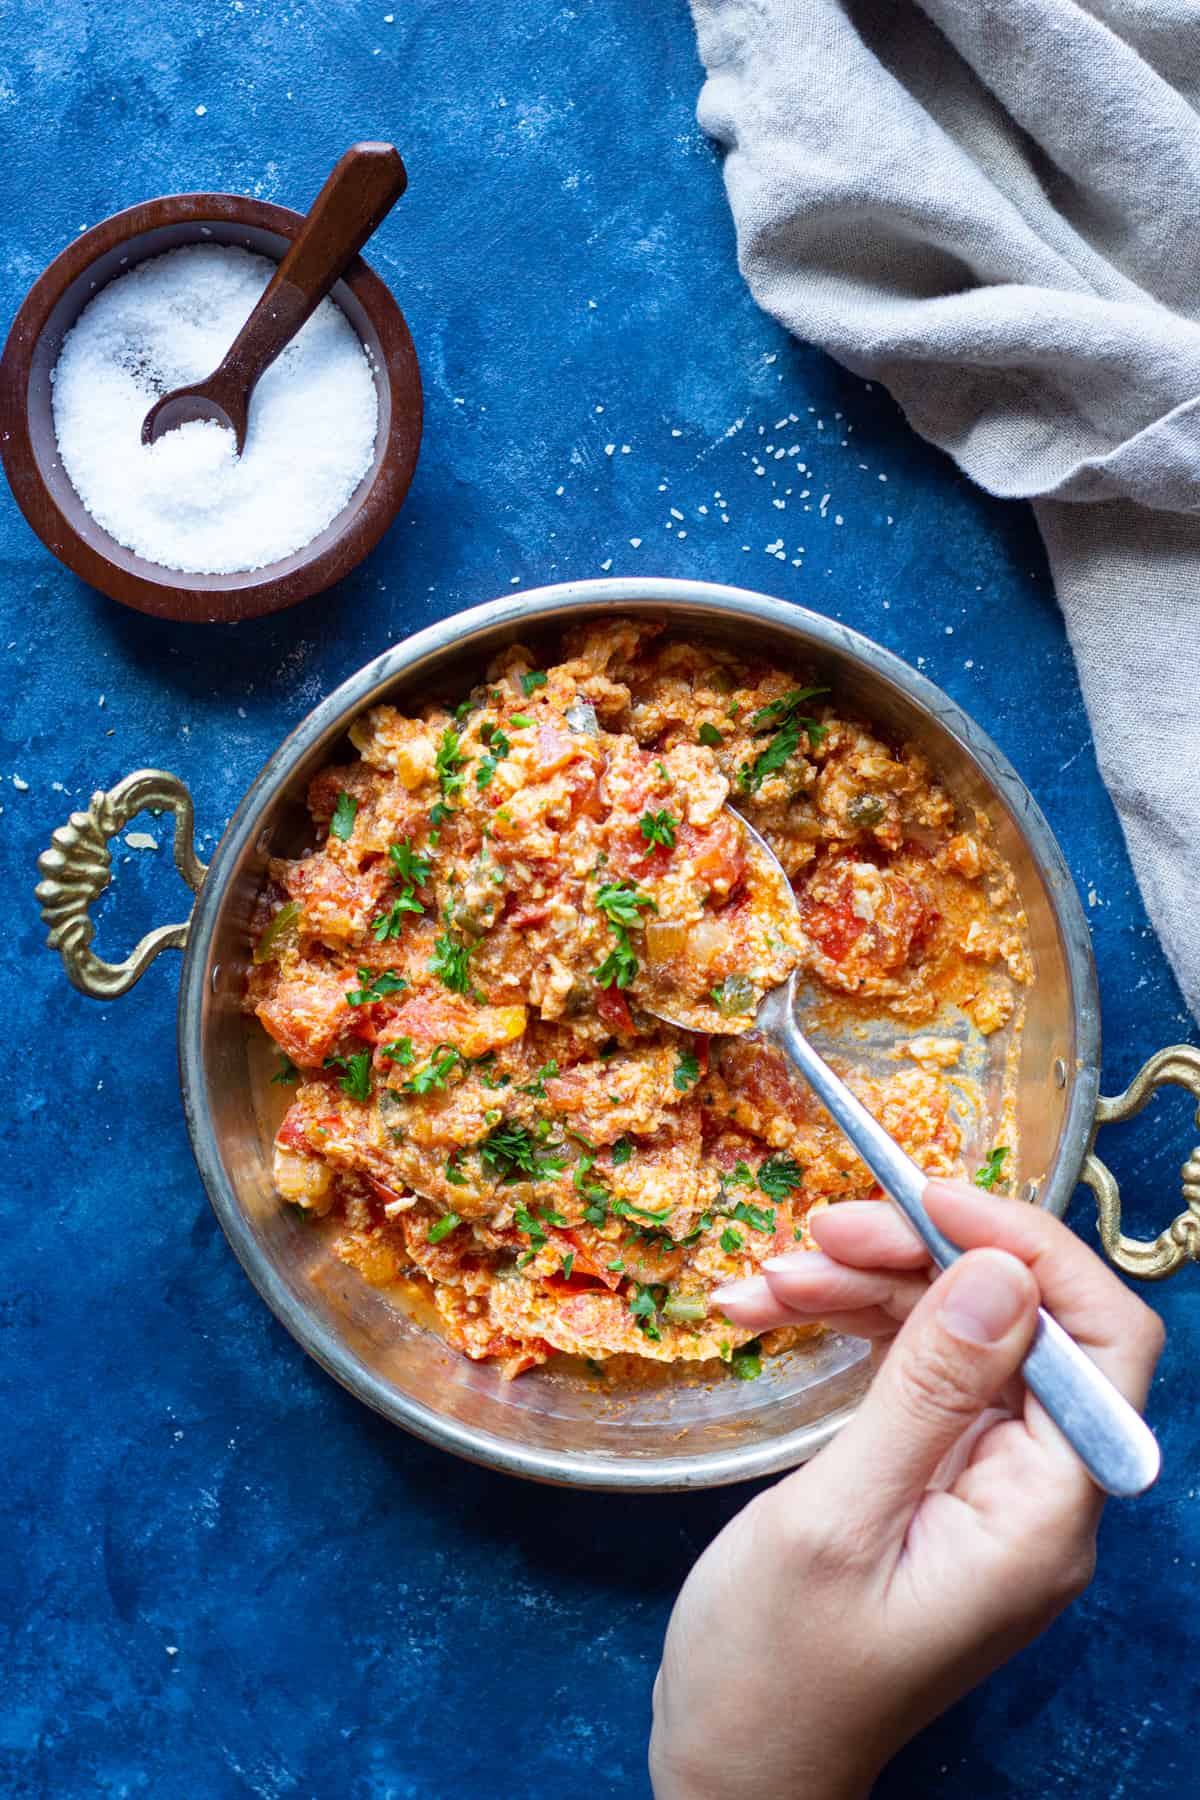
<point>1111,1439</point>
<point>357,197</point>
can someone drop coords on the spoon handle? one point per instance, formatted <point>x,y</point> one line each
<point>361,190</point>
<point>1111,1439</point>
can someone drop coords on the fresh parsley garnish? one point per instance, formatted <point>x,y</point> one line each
<point>687,1072</point>
<point>357,1080</point>
<point>449,963</point>
<point>619,902</point>
<point>436,1073</point>
<point>568,1263</point>
<point>537,1087</point>
<point>344,814</point>
<point>498,748</point>
<point>622,1151</point>
<point>453,1170</point>
<point>288,1074</point>
<point>993,1168</point>
<point>400,1050</point>
<point>439,812</point>
<point>620,965</point>
<point>443,1227</point>
<point>625,1209</point>
<point>643,1305</point>
<point>531,682</point>
<point>757,1217</point>
<point>784,718</point>
<point>512,1151</point>
<point>521,721</point>
<point>658,828</point>
<point>407,865</point>
<point>731,1240</point>
<point>741,1175</point>
<point>376,987</point>
<point>449,765</point>
<point>780,1176</point>
<point>708,734</point>
<point>390,924</point>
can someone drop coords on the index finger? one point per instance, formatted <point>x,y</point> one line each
<point>1119,1332</point>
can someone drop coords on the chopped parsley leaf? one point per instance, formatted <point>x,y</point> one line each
<point>622,1151</point>
<point>780,1176</point>
<point>708,734</point>
<point>288,1074</point>
<point>357,1080</point>
<point>439,812</point>
<point>344,814</point>
<point>453,1172</point>
<point>739,1176</point>
<point>390,924</point>
<point>625,1209</point>
<point>437,1071</point>
<point>408,866</point>
<point>658,828</point>
<point>375,987</point>
<point>687,1073</point>
<point>513,1151</point>
<point>759,1218</point>
<point>449,765</point>
<point>993,1168</point>
<point>449,963</point>
<point>537,1087</point>
<point>532,681</point>
<point>443,1227</point>
<point>620,965</point>
<point>619,902</point>
<point>644,1307</point>
<point>731,1240</point>
<point>782,716</point>
<point>521,721</point>
<point>568,1263</point>
<point>400,1050</point>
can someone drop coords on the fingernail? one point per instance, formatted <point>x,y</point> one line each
<point>740,1292</point>
<point>986,1298</point>
<point>795,1259</point>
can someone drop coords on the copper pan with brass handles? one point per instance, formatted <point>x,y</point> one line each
<point>668,1434</point>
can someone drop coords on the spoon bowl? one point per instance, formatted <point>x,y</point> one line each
<point>360,192</point>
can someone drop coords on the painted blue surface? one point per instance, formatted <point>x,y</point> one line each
<point>222,1576</point>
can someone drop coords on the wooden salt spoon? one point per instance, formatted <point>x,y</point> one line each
<point>360,192</point>
<point>1111,1440</point>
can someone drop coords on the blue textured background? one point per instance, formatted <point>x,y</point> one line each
<point>221,1575</point>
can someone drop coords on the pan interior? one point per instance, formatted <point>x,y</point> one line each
<point>570,1425</point>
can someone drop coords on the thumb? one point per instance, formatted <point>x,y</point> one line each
<point>957,1349</point>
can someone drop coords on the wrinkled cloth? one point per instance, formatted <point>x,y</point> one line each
<point>993,207</point>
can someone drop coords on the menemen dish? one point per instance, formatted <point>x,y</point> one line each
<point>463,977</point>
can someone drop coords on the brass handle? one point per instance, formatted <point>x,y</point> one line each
<point>77,868</point>
<point>1180,1242</point>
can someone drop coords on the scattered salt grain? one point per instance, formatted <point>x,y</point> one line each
<point>22,787</point>
<point>200,111</point>
<point>189,501</point>
<point>636,542</point>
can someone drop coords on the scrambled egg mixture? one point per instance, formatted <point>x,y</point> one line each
<point>462,977</point>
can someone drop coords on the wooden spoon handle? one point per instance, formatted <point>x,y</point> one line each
<point>360,192</point>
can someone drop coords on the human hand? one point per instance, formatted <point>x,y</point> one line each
<point>942,1529</point>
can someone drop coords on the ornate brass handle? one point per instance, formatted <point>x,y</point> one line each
<point>77,868</point>
<point>1180,1242</point>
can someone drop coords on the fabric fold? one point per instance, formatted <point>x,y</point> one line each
<point>988,206</point>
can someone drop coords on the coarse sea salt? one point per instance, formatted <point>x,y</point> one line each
<point>189,502</point>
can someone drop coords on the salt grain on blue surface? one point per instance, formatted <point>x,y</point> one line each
<point>189,502</point>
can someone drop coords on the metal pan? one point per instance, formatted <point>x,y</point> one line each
<point>674,1433</point>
